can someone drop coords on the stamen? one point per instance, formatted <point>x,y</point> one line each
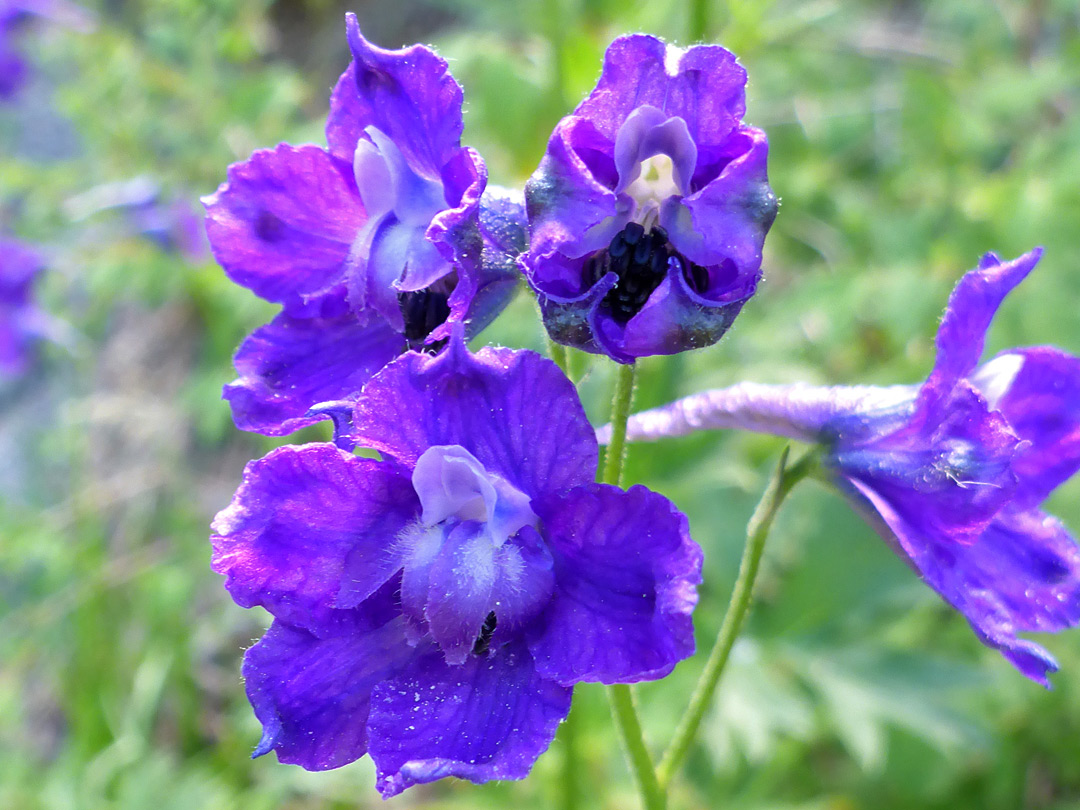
<point>483,641</point>
<point>423,311</point>
<point>641,261</point>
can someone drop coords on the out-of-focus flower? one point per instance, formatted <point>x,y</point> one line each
<point>435,608</point>
<point>14,16</point>
<point>22,322</point>
<point>373,245</point>
<point>170,222</point>
<point>649,209</point>
<point>951,473</point>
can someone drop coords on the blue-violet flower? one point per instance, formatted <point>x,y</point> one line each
<point>649,209</point>
<point>14,15</point>
<point>22,322</point>
<point>434,608</point>
<point>951,473</point>
<point>372,245</point>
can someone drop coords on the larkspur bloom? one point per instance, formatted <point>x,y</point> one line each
<point>434,609</point>
<point>951,473</point>
<point>374,245</point>
<point>22,322</point>
<point>169,221</point>
<point>649,209</point>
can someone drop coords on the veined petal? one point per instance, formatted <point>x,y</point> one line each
<point>704,85</point>
<point>1042,404</point>
<point>489,718</point>
<point>946,478</point>
<point>513,410</point>
<point>300,513</point>
<point>313,694</point>
<point>291,364</point>
<point>625,576</point>
<point>970,310</point>
<point>283,223</point>
<point>407,94</point>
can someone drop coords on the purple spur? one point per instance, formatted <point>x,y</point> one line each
<point>951,473</point>
<point>373,245</point>
<point>434,609</point>
<point>649,209</point>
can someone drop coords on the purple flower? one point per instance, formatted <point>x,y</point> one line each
<point>14,14</point>
<point>650,206</point>
<point>168,221</point>
<point>22,322</point>
<point>435,608</point>
<point>951,473</point>
<point>373,245</point>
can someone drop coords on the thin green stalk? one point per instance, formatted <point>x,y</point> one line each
<point>699,20</point>
<point>756,533</point>
<point>557,352</point>
<point>620,695</point>
<point>625,714</point>
<point>570,787</point>
<point>620,413</point>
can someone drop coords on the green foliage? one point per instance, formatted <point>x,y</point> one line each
<point>907,138</point>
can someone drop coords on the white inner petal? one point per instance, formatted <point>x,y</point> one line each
<point>654,184</point>
<point>994,379</point>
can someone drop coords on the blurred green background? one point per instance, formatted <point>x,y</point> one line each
<point>907,138</point>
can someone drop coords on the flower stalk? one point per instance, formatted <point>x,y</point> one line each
<point>757,531</point>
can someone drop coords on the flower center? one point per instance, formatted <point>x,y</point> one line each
<point>475,569</point>
<point>423,311</point>
<point>641,261</point>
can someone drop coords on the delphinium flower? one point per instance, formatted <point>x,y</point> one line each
<point>951,473</point>
<point>14,15</point>
<point>434,608</point>
<point>22,322</point>
<point>373,245</point>
<point>169,221</point>
<point>649,209</point>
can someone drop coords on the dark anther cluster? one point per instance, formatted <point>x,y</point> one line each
<point>423,311</point>
<point>641,261</point>
<point>483,641</point>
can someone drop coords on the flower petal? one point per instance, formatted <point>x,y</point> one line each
<point>283,223</point>
<point>291,364</point>
<point>970,310</point>
<point>489,718</point>
<point>513,410</point>
<point>1022,574</point>
<point>1042,405</point>
<point>313,694</point>
<point>409,95</point>
<point>704,85</point>
<point>302,519</point>
<point>625,576</point>
<point>946,478</point>
<point>729,217</point>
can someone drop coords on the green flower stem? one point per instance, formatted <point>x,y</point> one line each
<point>620,413</point>
<point>619,694</point>
<point>557,352</point>
<point>756,532</point>
<point>570,787</point>
<point>699,20</point>
<point>625,714</point>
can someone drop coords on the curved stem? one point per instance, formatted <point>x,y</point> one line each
<point>619,694</point>
<point>757,531</point>
<point>625,714</point>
